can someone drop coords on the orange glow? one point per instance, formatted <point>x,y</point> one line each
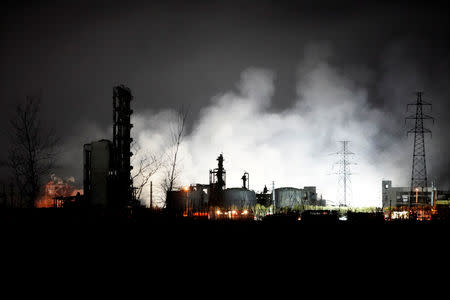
<point>186,188</point>
<point>200,214</point>
<point>56,187</point>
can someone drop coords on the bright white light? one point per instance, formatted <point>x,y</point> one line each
<point>343,218</point>
<point>329,107</point>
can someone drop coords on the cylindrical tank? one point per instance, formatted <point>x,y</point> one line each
<point>288,197</point>
<point>189,201</point>
<point>238,199</point>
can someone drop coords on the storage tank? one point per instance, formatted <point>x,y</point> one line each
<point>288,197</point>
<point>238,199</point>
<point>187,202</point>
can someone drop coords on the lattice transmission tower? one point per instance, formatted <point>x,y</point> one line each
<point>419,180</point>
<point>344,172</point>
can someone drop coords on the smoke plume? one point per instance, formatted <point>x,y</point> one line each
<point>291,147</point>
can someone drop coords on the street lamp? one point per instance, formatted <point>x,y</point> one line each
<point>186,189</point>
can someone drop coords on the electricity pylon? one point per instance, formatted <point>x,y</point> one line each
<point>419,180</point>
<point>344,182</point>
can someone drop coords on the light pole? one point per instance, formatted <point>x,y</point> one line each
<point>186,189</point>
<point>151,195</point>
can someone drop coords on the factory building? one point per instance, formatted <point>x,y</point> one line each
<point>394,196</point>
<point>399,202</point>
<point>97,168</point>
<point>402,196</point>
<point>106,169</point>
<point>310,195</point>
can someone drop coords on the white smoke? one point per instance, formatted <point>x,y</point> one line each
<point>292,147</point>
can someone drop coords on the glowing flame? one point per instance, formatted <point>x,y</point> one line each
<point>57,187</point>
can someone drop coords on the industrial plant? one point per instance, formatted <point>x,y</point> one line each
<point>424,204</point>
<point>107,179</point>
<point>108,185</point>
<point>419,201</point>
<point>216,201</point>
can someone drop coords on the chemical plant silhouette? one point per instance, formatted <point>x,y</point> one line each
<point>109,192</point>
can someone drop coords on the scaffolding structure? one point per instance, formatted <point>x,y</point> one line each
<point>123,183</point>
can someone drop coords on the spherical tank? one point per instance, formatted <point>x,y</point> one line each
<point>239,198</point>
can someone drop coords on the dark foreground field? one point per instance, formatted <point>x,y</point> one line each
<point>155,249</point>
<point>161,232</point>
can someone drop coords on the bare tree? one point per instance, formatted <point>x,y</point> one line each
<point>146,166</point>
<point>33,150</point>
<point>177,135</point>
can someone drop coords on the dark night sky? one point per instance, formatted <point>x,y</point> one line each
<point>173,52</point>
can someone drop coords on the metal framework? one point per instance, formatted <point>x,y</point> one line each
<point>344,182</point>
<point>419,180</point>
<point>217,182</point>
<point>217,176</point>
<point>122,145</point>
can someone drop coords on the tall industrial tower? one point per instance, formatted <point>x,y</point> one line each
<point>217,182</point>
<point>217,177</point>
<point>344,173</point>
<point>122,145</point>
<point>419,181</point>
